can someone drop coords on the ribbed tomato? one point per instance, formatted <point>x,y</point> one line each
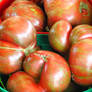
<point>11,57</point>
<point>59,36</point>
<point>80,32</point>
<point>80,60</point>
<point>22,82</point>
<point>18,30</point>
<point>53,69</point>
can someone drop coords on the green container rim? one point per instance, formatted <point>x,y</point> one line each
<point>3,90</point>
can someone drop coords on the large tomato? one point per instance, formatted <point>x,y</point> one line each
<point>74,11</point>
<point>80,60</point>
<point>80,32</point>
<point>18,30</point>
<point>59,36</point>
<point>22,82</point>
<point>53,69</point>
<point>11,57</point>
<point>26,9</point>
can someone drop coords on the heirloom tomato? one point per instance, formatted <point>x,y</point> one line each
<point>22,82</point>
<point>18,30</point>
<point>59,36</point>
<point>80,60</point>
<point>52,69</point>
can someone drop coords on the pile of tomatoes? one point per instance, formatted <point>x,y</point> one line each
<point>31,69</point>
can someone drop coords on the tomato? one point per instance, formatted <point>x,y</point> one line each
<point>26,9</point>
<point>53,69</point>
<point>18,30</point>
<point>22,82</point>
<point>80,32</point>
<point>75,11</point>
<point>11,57</point>
<point>4,4</point>
<point>59,36</point>
<point>80,60</point>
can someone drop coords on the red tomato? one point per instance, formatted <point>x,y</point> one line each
<point>4,4</point>
<point>18,30</point>
<point>22,82</point>
<point>80,60</point>
<point>74,11</point>
<point>53,69</point>
<point>59,36</point>
<point>80,32</point>
<point>11,57</point>
<point>26,9</point>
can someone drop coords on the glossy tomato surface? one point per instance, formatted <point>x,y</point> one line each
<point>11,57</point>
<point>80,32</point>
<point>74,11</point>
<point>22,82</point>
<point>53,69</point>
<point>0,20</point>
<point>18,30</point>
<point>26,9</point>
<point>80,60</point>
<point>33,64</point>
<point>59,36</point>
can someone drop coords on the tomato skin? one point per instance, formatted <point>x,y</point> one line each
<point>22,82</point>
<point>59,36</point>
<point>48,78</point>
<point>75,11</point>
<point>0,21</point>
<point>18,30</point>
<point>83,80</point>
<point>80,32</point>
<point>4,4</point>
<point>10,60</point>
<point>26,9</point>
<point>33,65</point>
<point>90,1</point>
<point>81,62</point>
